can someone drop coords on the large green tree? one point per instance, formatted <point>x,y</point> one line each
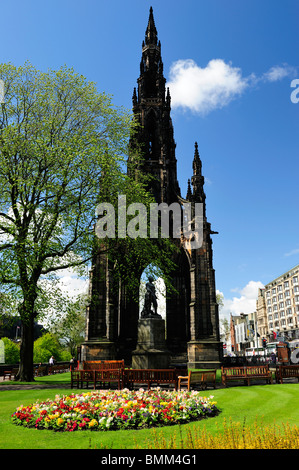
<point>62,147</point>
<point>70,327</point>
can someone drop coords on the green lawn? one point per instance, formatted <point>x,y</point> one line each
<point>264,404</point>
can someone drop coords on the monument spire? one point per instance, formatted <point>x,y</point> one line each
<point>151,106</point>
<point>197,178</point>
<point>151,31</point>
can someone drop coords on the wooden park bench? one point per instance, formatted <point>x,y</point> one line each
<point>286,372</point>
<point>41,371</point>
<point>246,373</point>
<point>103,378</point>
<point>151,377</point>
<point>10,373</point>
<point>80,377</point>
<point>197,378</point>
<point>59,368</point>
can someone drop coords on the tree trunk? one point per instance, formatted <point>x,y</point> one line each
<point>26,373</point>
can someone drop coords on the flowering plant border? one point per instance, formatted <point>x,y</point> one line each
<point>116,409</point>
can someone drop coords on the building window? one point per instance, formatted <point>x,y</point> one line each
<point>274,290</point>
<point>279,288</point>
<point>282,313</point>
<point>274,299</point>
<point>286,284</point>
<point>268,294</point>
<point>287,293</point>
<point>295,280</point>
<point>283,322</point>
<point>269,309</point>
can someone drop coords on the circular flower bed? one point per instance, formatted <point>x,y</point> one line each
<point>115,409</point>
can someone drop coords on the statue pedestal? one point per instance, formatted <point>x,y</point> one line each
<point>205,354</point>
<point>96,350</point>
<point>151,351</point>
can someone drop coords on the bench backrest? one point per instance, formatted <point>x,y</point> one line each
<point>106,374</point>
<point>151,374</point>
<point>209,375</point>
<point>234,371</point>
<point>162,374</point>
<point>257,370</point>
<point>101,365</point>
<point>290,371</point>
<point>243,371</point>
<point>136,375</point>
<point>195,376</point>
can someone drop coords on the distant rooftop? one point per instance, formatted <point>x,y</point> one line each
<point>283,277</point>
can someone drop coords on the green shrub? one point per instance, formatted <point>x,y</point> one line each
<point>47,346</point>
<point>12,351</point>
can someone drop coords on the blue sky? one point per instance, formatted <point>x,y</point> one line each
<point>229,65</point>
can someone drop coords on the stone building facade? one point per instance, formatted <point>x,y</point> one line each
<point>278,307</point>
<point>192,321</point>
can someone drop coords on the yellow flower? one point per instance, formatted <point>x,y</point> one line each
<point>92,423</point>
<point>59,421</point>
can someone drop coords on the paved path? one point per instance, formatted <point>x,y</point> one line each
<point>11,385</point>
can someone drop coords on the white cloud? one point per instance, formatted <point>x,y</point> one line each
<point>71,284</point>
<point>292,252</point>
<point>203,90</point>
<point>244,303</point>
<point>279,72</point>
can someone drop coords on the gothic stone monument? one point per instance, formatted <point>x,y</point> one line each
<point>192,325</point>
